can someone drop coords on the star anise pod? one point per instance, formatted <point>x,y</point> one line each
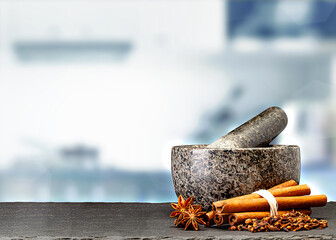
<point>181,207</point>
<point>193,216</point>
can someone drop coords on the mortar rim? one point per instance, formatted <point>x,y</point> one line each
<point>203,147</point>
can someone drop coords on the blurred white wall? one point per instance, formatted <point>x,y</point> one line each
<point>132,110</point>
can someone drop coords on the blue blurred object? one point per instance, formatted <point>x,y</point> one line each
<point>274,19</point>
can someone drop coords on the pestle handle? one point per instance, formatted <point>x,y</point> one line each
<point>257,132</point>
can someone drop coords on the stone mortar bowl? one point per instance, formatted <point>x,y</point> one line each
<point>215,174</point>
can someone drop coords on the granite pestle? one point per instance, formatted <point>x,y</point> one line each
<point>256,132</point>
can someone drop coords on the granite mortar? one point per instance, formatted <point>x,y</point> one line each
<point>215,174</point>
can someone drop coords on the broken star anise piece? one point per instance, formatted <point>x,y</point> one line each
<point>181,207</point>
<point>193,216</point>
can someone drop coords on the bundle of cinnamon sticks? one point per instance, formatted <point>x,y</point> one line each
<point>289,195</point>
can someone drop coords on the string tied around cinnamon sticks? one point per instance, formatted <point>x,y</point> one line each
<point>272,202</point>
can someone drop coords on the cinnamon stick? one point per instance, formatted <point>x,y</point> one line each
<point>285,184</point>
<point>238,218</point>
<point>299,190</point>
<point>221,218</point>
<point>216,206</point>
<point>208,218</point>
<point>261,204</point>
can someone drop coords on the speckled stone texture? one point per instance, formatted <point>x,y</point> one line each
<point>215,174</point>
<point>257,132</point>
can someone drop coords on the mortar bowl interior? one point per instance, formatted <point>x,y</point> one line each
<point>216,174</point>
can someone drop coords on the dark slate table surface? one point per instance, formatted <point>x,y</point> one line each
<point>26,220</point>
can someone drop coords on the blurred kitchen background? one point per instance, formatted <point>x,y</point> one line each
<point>94,93</point>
